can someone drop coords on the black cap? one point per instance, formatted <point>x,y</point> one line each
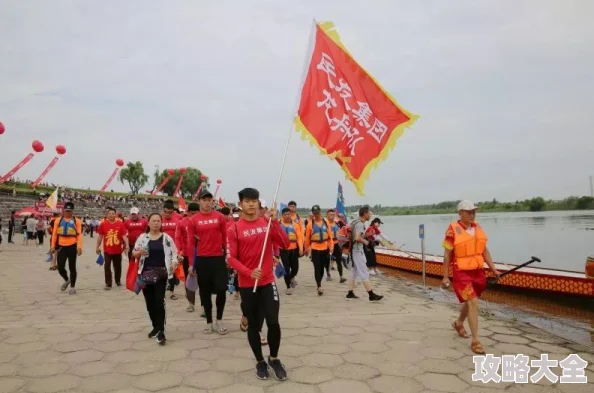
<point>69,206</point>
<point>286,210</point>
<point>193,207</point>
<point>205,194</point>
<point>315,208</point>
<point>376,220</point>
<point>168,204</point>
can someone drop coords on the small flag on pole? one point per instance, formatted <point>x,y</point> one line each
<point>340,208</point>
<point>52,200</point>
<point>345,112</point>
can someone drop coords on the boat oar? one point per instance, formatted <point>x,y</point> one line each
<point>493,280</point>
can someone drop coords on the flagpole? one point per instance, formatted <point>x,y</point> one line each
<point>307,61</point>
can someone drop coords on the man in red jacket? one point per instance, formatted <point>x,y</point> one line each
<point>135,225</point>
<point>181,242</point>
<point>245,244</point>
<point>209,228</point>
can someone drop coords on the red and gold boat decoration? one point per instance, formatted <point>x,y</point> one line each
<point>527,278</point>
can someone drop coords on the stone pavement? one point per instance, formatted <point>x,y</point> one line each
<point>95,341</point>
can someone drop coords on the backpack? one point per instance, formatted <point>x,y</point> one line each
<point>346,236</point>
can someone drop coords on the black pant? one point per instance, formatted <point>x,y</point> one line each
<point>264,302</point>
<point>337,254</point>
<point>10,233</point>
<point>116,259</point>
<point>370,255</point>
<point>320,260</point>
<point>154,296</point>
<point>212,278</point>
<point>67,253</point>
<point>40,236</point>
<point>191,296</point>
<point>290,259</point>
<point>91,229</point>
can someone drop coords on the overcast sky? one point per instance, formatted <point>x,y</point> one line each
<point>504,90</point>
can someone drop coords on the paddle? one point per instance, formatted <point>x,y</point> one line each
<point>493,280</point>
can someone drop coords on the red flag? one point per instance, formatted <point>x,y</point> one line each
<point>222,202</point>
<point>345,112</point>
<point>182,204</point>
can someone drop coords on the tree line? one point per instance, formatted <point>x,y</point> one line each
<point>135,176</point>
<point>536,204</point>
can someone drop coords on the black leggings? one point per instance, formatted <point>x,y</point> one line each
<point>265,302</point>
<point>154,296</point>
<point>290,260</point>
<point>67,253</point>
<point>191,296</point>
<point>337,254</point>
<point>320,260</point>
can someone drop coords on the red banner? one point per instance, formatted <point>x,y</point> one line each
<point>43,208</point>
<point>179,183</point>
<point>345,112</point>
<point>158,189</point>
<point>17,167</point>
<point>197,191</point>
<point>52,163</point>
<point>108,182</point>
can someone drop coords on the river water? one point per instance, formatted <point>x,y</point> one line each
<point>560,239</point>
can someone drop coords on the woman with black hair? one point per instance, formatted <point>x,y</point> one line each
<point>158,261</point>
<point>372,235</point>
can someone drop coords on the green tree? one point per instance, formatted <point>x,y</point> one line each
<point>536,204</point>
<point>134,174</point>
<point>189,185</point>
<point>585,202</point>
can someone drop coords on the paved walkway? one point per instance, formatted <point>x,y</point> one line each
<point>95,341</point>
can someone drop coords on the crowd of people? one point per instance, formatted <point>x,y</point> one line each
<point>245,247</point>
<point>218,249</point>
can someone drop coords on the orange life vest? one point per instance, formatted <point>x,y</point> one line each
<point>469,249</point>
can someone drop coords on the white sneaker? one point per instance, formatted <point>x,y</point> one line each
<point>289,291</point>
<point>372,273</point>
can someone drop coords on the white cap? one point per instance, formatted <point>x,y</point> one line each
<point>263,202</point>
<point>134,210</point>
<point>182,209</point>
<point>235,215</point>
<point>466,205</point>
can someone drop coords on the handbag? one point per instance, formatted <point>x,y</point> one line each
<point>152,275</point>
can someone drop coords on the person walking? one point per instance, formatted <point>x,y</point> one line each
<point>114,236</point>
<point>359,269</point>
<point>465,246</point>
<point>158,260</point>
<point>67,242</point>
<point>245,243</point>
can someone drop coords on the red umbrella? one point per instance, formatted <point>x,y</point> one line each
<point>28,211</point>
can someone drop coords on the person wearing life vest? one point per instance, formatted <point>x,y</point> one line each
<point>296,217</point>
<point>290,255</point>
<point>67,242</point>
<point>336,252</point>
<point>465,246</point>
<point>318,243</point>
